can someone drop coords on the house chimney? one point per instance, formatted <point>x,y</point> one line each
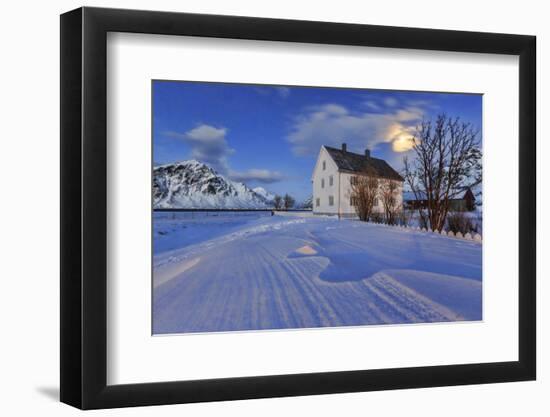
<point>367,153</point>
<point>344,147</point>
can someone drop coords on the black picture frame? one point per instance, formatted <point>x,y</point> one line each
<point>84,207</point>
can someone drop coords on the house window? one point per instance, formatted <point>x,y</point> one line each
<point>330,200</point>
<point>324,165</point>
<point>331,180</point>
<point>375,202</point>
<point>317,202</point>
<point>353,201</point>
<point>353,180</point>
<point>322,183</point>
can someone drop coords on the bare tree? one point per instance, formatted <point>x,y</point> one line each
<point>278,202</point>
<point>389,192</point>
<point>288,202</point>
<point>363,193</point>
<point>447,159</point>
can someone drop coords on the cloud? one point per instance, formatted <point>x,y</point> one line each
<point>267,90</point>
<point>401,137</point>
<point>331,124</point>
<point>263,176</point>
<point>373,105</point>
<point>208,144</point>
<point>206,133</point>
<point>391,101</point>
<point>263,91</point>
<point>284,92</point>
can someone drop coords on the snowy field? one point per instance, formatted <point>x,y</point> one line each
<point>254,271</point>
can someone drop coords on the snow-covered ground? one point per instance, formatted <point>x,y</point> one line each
<point>176,230</point>
<point>252,272</point>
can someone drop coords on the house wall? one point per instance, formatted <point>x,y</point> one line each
<point>323,193</point>
<point>345,193</point>
<point>340,189</point>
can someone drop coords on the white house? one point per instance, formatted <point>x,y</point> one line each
<point>333,175</point>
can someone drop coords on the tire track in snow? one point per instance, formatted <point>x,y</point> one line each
<point>414,307</point>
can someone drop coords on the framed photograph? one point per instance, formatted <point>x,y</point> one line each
<point>256,208</point>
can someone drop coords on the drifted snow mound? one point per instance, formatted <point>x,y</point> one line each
<point>193,184</point>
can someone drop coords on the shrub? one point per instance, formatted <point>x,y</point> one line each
<point>423,221</point>
<point>377,217</point>
<point>404,218</point>
<point>458,221</point>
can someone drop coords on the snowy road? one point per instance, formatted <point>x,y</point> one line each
<point>281,272</point>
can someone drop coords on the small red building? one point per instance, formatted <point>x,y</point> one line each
<point>462,201</point>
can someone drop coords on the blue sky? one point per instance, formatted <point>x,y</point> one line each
<point>270,136</point>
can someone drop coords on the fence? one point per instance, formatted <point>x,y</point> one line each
<point>476,237</point>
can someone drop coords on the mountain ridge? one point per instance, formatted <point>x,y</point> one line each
<point>195,185</point>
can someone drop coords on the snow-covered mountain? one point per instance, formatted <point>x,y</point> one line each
<point>264,193</point>
<point>193,184</point>
<point>307,203</point>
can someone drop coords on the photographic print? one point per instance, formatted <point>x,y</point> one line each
<point>299,207</point>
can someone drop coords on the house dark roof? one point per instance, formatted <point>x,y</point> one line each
<point>410,196</point>
<point>453,195</point>
<point>353,162</point>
